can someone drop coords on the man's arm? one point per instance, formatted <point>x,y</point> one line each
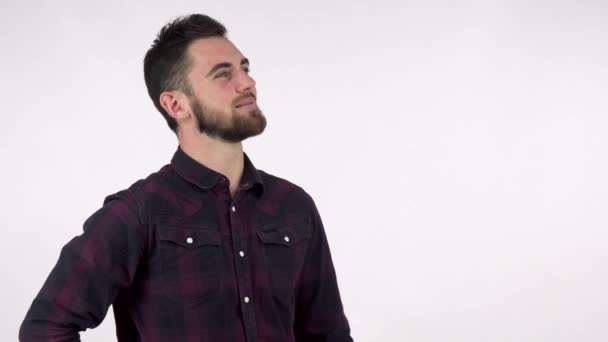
<point>319,312</point>
<point>91,270</point>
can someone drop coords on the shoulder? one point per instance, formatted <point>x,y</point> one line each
<point>137,196</point>
<point>286,193</point>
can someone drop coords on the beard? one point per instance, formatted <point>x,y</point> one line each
<point>231,127</point>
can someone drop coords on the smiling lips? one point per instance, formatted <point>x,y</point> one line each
<point>246,102</point>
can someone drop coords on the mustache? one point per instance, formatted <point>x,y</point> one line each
<point>243,97</point>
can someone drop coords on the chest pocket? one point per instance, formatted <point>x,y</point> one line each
<point>188,237</point>
<point>284,247</point>
<point>191,260</point>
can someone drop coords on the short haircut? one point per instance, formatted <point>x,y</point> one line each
<point>167,63</point>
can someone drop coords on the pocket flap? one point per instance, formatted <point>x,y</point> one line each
<point>283,235</point>
<point>188,237</point>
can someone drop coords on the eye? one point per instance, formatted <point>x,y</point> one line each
<point>222,74</point>
<point>246,69</point>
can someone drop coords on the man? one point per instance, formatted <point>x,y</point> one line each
<point>208,248</point>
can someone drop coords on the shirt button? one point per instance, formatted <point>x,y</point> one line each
<point>233,208</point>
<point>246,299</point>
<point>242,254</point>
<point>286,239</point>
<point>189,240</point>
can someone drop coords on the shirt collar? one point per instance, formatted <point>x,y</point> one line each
<point>206,178</point>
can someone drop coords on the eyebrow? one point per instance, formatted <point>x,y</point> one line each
<point>225,65</point>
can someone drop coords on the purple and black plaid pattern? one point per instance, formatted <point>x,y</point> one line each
<point>180,260</point>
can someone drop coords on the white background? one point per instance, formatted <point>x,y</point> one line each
<point>456,150</point>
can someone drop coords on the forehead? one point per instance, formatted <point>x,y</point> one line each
<point>207,52</point>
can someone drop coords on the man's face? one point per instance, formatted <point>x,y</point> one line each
<point>223,97</point>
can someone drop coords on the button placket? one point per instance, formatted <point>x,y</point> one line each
<point>243,273</point>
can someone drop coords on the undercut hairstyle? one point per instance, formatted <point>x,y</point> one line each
<point>167,63</point>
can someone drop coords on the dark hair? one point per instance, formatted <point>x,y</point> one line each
<point>167,63</point>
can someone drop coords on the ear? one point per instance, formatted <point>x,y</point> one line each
<point>175,103</point>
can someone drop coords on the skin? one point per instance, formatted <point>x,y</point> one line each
<point>217,91</point>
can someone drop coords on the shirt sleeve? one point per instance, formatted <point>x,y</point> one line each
<point>91,270</point>
<point>319,313</point>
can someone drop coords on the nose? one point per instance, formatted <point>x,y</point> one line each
<point>246,83</point>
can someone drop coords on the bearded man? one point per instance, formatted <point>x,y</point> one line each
<point>208,248</point>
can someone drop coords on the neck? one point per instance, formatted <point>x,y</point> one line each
<point>220,156</point>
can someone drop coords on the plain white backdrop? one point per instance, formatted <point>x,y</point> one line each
<point>457,150</point>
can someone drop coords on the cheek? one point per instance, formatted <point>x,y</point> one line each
<point>223,95</point>
<point>215,100</point>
